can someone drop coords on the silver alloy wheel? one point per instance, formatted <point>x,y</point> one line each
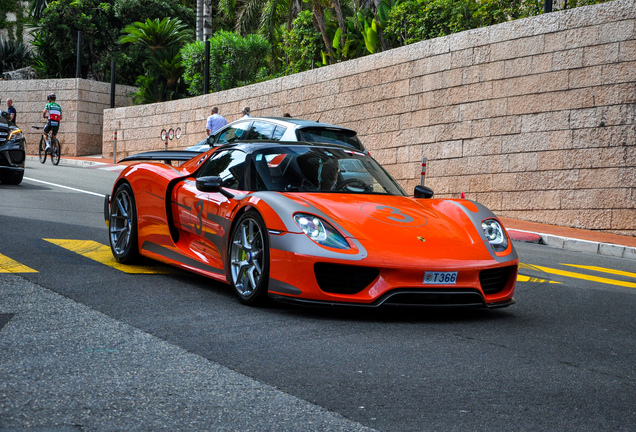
<point>120,224</point>
<point>246,257</point>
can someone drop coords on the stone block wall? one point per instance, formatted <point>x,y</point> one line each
<point>533,118</point>
<point>82,101</point>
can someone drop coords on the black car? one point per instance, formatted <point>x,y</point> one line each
<point>12,151</point>
<point>280,129</point>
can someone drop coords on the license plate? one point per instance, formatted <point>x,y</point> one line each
<point>440,278</point>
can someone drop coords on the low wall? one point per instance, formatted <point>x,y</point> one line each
<point>534,117</point>
<point>82,101</point>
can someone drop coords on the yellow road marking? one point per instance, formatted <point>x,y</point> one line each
<point>603,270</point>
<point>585,277</point>
<point>102,254</point>
<point>524,278</point>
<point>7,265</point>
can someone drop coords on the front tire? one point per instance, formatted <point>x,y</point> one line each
<point>55,151</point>
<point>122,226</point>
<point>249,259</point>
<point>41,150</point>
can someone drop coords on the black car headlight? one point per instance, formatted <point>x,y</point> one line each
<point>320,231</point>
<point>495,234</point>
<point>15,134</point>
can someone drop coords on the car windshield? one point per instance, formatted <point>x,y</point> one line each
<point>319,169</point>
<point>329,136</point>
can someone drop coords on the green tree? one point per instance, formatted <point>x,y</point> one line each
<point>162,40</point>
<point>56,38</point>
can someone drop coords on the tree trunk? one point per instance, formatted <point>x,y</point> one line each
<point>319,20</point>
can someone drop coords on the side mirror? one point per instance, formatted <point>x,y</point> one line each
<point>423,192</point>
<point>210,141</point>
<point>212,184</point>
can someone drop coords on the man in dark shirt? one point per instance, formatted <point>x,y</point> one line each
<point>11,111</point>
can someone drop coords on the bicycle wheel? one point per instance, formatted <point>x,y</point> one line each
<point>55,151</point>
<point>42,152</point>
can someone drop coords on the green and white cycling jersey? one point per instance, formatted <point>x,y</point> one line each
<point>54,113</point>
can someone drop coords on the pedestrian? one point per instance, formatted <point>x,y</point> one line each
<point>11,110</point>
<point>246,112</point>
<point>52,112</point>
<point>215,122</point>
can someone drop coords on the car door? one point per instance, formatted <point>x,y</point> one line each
<point>205,218</point>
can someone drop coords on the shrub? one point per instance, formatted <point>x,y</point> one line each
<point>234,61</point>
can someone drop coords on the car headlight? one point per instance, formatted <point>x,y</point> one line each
<point>16,134</point>
<point>320,231</point>
<point>495,234</point>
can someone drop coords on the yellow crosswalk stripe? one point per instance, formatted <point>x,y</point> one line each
<point>102,254</point>
<point>7,265</point>
<point>586,277</point>
<point>603,270</point>
<point>524,278</point>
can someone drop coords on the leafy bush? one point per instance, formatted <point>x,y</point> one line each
<point>235,61</point>
<point>302,44</point>
<point>13,55</point>
<point>415,20</point>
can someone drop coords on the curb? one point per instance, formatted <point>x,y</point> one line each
<point>74,162</point>
<point>560,242</point>
<point>78,162</point>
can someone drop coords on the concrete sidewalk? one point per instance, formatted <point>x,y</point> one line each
<point>551,235</point>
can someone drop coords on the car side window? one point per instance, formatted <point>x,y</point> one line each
<point>261,131</point>
<point>234,133</point>
<point>279,132</point>
<point>229,165</point>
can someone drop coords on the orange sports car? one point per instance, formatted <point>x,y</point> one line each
<point>312,223</point>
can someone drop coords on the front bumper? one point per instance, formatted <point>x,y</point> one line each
<point>462,299</point>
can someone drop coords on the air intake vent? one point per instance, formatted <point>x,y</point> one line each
<point>344,279</point>
<point>17,156</point>
<point>433,298</point>
<point>494,280</point>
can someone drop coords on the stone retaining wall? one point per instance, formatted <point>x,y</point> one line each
<point>534,117</point>
<point>82,101</point>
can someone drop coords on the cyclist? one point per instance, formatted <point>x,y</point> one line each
<point>52,112</point>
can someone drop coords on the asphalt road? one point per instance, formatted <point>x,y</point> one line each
<point>84,346</point>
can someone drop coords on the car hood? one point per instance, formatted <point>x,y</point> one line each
<point>396,226</point>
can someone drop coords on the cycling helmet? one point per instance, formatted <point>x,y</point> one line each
<point>51,96</point>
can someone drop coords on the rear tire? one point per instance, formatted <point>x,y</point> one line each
<point>248,263</point>
<point>42,152</point>
<point>122,226</point>
<point>55,151</point>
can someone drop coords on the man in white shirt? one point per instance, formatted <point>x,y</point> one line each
<point>215,122</point>
<point>246,112</point>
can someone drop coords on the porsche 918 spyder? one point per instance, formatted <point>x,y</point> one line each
<point>319,224</point>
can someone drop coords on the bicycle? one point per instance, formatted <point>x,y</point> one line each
<point>54,149</point>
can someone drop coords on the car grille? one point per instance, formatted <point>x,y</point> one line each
<point>344,279</point>
<point>447,297</point>
<point>4,134</point>
<point>494,280</point>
